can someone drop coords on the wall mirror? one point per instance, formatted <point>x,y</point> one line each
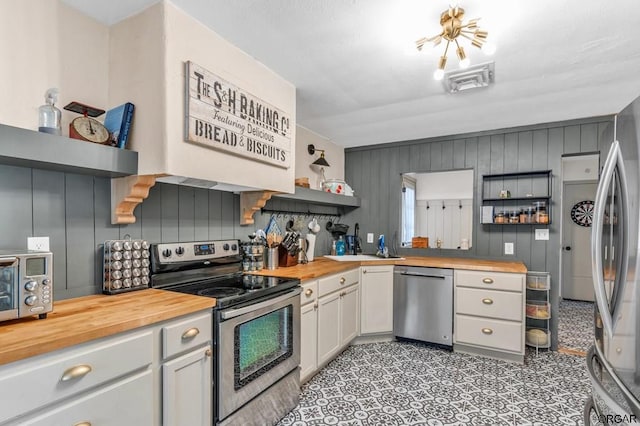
<point>437,209</point>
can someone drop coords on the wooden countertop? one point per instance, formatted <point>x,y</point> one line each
<point>323,266</point>
<point>82,319</point>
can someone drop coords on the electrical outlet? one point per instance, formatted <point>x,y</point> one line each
<point>542,234</point>
<point>508,248</point>
<point>38,243</point>
<point>370,237</point>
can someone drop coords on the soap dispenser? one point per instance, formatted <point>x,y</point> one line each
<point>340,246</point>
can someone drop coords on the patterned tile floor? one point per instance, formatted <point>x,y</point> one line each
<point>408,383</point>
<point>575,330</point>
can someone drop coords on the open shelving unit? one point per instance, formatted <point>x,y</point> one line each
<point>538,310</point>
<point>525,188</point>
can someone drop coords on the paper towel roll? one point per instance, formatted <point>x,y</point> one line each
<point>311,244</point>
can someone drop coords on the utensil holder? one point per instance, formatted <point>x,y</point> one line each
<point>272,261</point>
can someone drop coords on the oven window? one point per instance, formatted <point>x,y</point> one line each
<point>261,344</point>
<point>8,293</point>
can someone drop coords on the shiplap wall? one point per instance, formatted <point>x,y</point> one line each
<point>374,174</point>
<point>74,212</point>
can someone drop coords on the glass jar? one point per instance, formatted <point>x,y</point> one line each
<point>514,217</point>
<point>499,218</point>
<point>540,215</point>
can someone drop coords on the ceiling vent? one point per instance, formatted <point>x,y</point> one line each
<point>481,75</point>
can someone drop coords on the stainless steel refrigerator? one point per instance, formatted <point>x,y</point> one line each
<point>613,362</point>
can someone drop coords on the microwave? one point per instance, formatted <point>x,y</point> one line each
<point>26,284</point>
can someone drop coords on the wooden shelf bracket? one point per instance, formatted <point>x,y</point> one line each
<point>126,193</point>
<point>251,202</point>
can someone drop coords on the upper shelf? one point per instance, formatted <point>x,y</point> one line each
<point>28,148</point>
<point>320,198</point>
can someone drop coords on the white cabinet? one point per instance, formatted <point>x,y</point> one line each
<point>160,374</point>
<point>308,329</point>
<point>70,385</point>
<point>376,284</point>
<point>187,383</point>
<point>489,314</point>
<point>330,316</point>
<point>329,327</point>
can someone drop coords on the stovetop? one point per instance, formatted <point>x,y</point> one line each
<point>210,269</point>
<point>235,289</point>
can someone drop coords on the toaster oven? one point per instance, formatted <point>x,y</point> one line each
<point>26,284</point>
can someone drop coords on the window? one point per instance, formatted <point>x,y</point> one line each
<point>408,210</point>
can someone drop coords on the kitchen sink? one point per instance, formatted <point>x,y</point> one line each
<point>360,257</point>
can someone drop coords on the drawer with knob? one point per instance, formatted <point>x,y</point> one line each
<point>309,292</point>
<point>71,371</point>
<point>182,336</point>
<point>338,281</point>
<point>489,333</point>
<point>489,303</point>
<point>489,280</point>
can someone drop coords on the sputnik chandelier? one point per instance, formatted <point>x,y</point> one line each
<point>452,27</point>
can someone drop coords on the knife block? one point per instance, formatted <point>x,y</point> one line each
<point>285,259</point>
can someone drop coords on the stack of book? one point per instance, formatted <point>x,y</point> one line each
<point>118,121</point>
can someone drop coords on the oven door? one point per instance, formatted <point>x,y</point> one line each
<point>8,288</point>
<point>257,345</point>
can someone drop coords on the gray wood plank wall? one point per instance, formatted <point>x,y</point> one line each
<point>375,171</point>
<point>74,212</point>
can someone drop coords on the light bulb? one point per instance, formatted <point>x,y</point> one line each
<point>489,48</point>
<point>438,74</point>
<point>465,63</point>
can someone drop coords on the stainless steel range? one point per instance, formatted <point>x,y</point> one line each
<point>256,328</point>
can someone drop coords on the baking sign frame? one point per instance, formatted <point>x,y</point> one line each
<point>222,116</point>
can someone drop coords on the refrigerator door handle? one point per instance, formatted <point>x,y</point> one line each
<point>597,268</point>
<point>598,388</point>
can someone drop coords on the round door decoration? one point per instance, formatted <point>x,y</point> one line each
<point>582,213</point>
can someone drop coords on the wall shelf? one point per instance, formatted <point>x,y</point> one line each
<point>320,198</point>
<point>525,189</point>
<point>28,148</point>
<point>253,201</point>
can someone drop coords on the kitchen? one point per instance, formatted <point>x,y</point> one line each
<point>58,201</point>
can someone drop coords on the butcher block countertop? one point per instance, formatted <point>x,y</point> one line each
<point>323,266</point>
<point>82,319</point>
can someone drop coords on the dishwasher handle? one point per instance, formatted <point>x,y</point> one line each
<point>413,274</point>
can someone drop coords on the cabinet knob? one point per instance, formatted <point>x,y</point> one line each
<point>75,372</point>
<point>342,280</point>
<point>487,331</point>
<point>487,301</point>
<point>190,333</point>
<point>487,280</point>
<point>315,306</point>
<point>208,353</point>
<point>308,292</point>
<point>364,271</point>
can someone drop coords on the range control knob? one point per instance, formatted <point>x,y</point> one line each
<point>31,300</point>
<point>225,247</point>
<point>234,247</point>
<point>46,281</point>
<point>179,251</point>
<point>166,252</point>
<point>31,285</point>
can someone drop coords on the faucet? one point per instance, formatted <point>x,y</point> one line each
<point>356,229</point>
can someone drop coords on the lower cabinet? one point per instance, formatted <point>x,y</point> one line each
<point>376,284</point>
<point>308,329</point>
<point>160,374</point>
<point>330,315</point>
<point>187,389</point>
<point>489,314</point>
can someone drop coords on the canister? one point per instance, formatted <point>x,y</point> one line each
<point>272,258</point>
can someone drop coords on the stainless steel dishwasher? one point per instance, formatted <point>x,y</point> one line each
<point>423,304</point>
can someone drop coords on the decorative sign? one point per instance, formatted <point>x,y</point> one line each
<point>582,213</point>
<point>222,116</point>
